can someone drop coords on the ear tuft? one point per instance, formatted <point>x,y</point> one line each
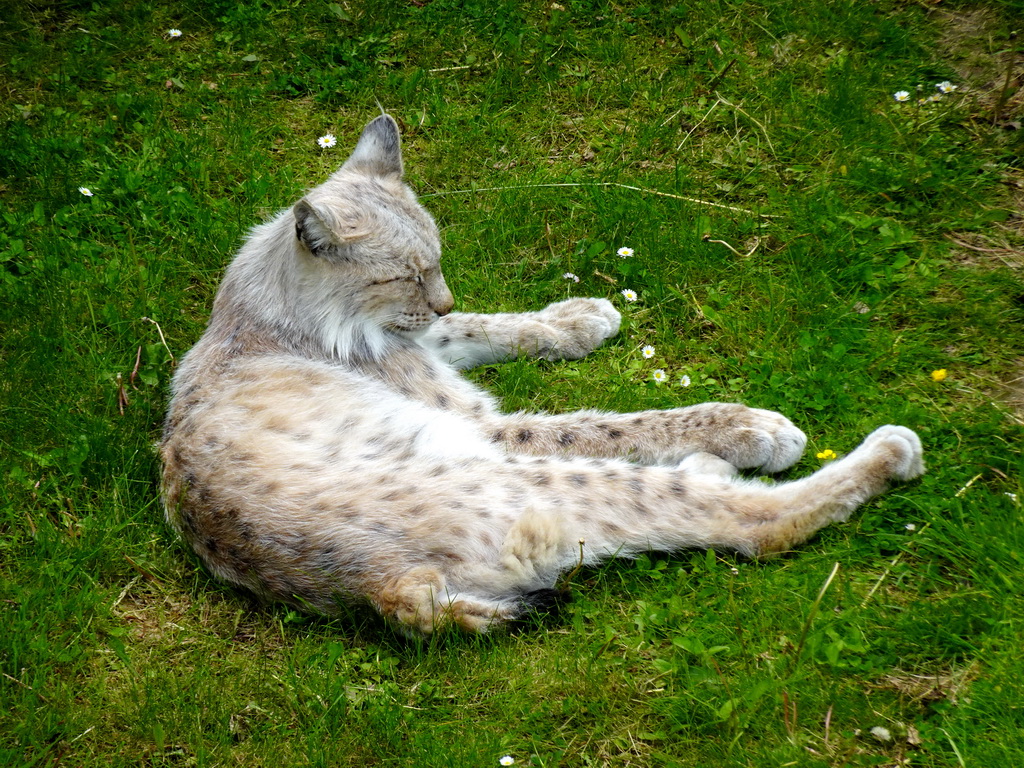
<point>379,149</point>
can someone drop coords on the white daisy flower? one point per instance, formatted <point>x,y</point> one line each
<point>507,760</point>
<point>624,252</point>
<point>910,527</point>
<point>173,33</point>
<point>647,352</point>
<point>629,295</point>
<point>570,276</point>
<point>327,141</point>
<point>684,380</point>
<point>902,96</point>
<point>659,376</point>
<point>946,87</point>
<point>85,191</point>
<point>881,733</point>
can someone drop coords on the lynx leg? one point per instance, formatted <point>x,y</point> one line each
<point>747,438</point>
<point>779,517</point>
<point>566,330</point>
<point>621,509</point>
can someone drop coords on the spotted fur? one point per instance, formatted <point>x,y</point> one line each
<point>320,446</point>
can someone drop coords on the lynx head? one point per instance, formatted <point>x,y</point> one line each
<point>368,253</point>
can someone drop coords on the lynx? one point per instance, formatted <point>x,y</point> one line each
<point>321,447</point>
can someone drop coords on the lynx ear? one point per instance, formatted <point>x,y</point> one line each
<point>316,230</point>
<point>379,150</point>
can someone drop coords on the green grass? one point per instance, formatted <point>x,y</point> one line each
<point>890,245</point>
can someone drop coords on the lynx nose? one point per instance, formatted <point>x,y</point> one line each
<point>443,303</point>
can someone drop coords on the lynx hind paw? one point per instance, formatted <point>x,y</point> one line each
<point>580,324</point>
<point>904,447</point>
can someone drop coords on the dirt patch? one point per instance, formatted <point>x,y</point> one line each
<point>989,60</point>
<point>944,685</point>
<point>1014,395</point>
<point>1002,242</point>
<point>988,57</point>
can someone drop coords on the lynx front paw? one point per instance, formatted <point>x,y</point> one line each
<point>753,438</point>
<point>579,325</point>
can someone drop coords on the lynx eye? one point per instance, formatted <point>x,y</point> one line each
<point>404,279</point>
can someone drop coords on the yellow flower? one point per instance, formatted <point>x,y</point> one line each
<point>939,375</point>
<point>827,454</point>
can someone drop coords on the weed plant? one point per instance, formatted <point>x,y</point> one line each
<point>801,241</point>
